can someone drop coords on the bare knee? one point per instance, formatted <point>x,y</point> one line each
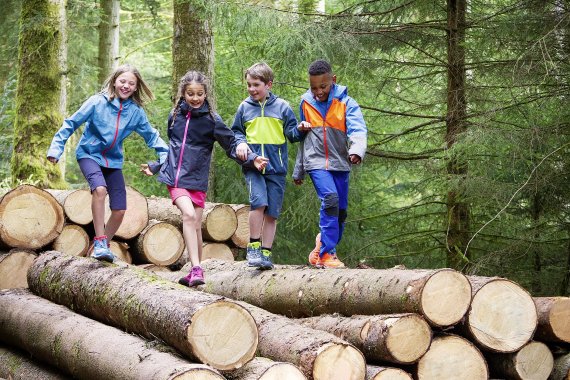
<point>190,219</point>
<point>100,192</point>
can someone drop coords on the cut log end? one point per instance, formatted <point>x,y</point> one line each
<point>219,222</point>
<point>380,373</point>
<point>73,241</point>
<point>559,318</point>
<point>236,340</point>
<point>77,206</point>
<point>409,338</point>
<point>534,361</point>
<point>14,267</point>
<point>199,373</point>
<point>339,362</point>
<point>446,297</point>
<point>279,371</point>
<point>503,316</point>
<point>161,243</point>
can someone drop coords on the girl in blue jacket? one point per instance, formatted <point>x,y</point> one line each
<point>193,128</point>
<point>109,117</point>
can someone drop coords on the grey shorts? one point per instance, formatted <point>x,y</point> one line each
<point>265,190</point>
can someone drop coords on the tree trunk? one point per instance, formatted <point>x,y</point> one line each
<point>396,338</point>
<point>561,369</point>
<point>452,357</point>
<point>159,243</point>
<point>108,38</point>
<point>140,302</point>
<point>441,296</point>
<point>76,204</point>
<point>73,240</point>
<point>62,60</point>
<point>266,369</point>
<point>386,373</point>
<point>14,268</point>
<point>16,365</point>
<point>38,93</point>
<point>502,317</point>
<point>458,218</point>
<point>84,348</point>
<point>553,319</point>
<point>533,361</point>
<point>31,218</point>
<point>240,238</point>
<point>217,251</point>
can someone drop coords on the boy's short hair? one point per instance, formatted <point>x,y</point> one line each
<point>261,71</point>
<point>319,67</point>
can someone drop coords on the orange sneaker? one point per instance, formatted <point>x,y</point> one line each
<point>314,255</point>
<point>329,260</point>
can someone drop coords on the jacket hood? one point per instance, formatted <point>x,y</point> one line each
<point>116,101</point>
<point>270,99</point>
<point>337,91</point>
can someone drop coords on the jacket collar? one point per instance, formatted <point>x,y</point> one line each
<point>270,99</point>
<point>195,112</point>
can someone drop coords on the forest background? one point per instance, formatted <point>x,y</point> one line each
<point>466,103</point>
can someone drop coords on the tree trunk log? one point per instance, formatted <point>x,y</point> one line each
<point>502,317</point>
<point>17,365</point>
<point>395,338</point>
<point>84,348</point>
<point>154,268</point>
<point>76,204</point>
<point>240,238</point>
<point>29,218</point>
<point>553,319</point>
<point>441,296</point>
<point>533,361</point>
<point>561,369</point>
<point>386,373</point>
<point>73,240</point>
<point>14,268</point>
<point>136,217</point>
<point>121,251</point>
<point>218,251</point>
<point>452,357</point>
<point>159,243</point>
<point>266,369</point>
<point>207,328</point>
<point>219,221</point>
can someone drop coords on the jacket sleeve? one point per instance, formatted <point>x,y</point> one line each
<point>355,129</point>
<point>69,126</point>
<point>290,125</point>
<point>228,141</point>
<point>238,128</point>
<point>152,138</point>
<point>299,168</point>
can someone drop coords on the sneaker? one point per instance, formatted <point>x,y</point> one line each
<point>101,250</point>
<point>314,255</point>
<point>266,262</point>
<point>253,254</point>
<point>194,278</point>
<point>329,260</point>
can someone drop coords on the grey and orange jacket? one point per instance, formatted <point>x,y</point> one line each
<point>334,136</point>
<point>265,127</point>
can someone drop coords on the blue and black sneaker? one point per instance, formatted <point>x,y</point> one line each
<point>266,262</point>
<point>101,251</point>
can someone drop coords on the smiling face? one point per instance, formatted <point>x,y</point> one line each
<point>125,85</point>
<point>257,89</point>
<point>321,85</point>
<point>195,94</point>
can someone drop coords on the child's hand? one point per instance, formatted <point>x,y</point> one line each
<point>53,160</point>
<point>242,151</point>
<point>260,162</point>
<point>304,126</point>
<point>145,170</point>
<point>297,181</point>
<point>355,159</point>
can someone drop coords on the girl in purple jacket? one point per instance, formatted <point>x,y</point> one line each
<point>193,127</point>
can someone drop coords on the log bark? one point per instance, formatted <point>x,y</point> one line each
<point>84,348</point>
<point>218,251</point>
<point>14,267</point>
<point>394,338</point>
<point>219,221</point>
<point>561,369</point>
<point>553,319</point>
<point>319,355</point>
<point>386,373</point>
<point>533,361</point>
<point>73,240</point>
<point>452,357</point>
<point>240,238</point>
<point>154,268</point>
<point>502,317</point>
<point>17,365</point>
<point>266,369</point>
<point>441,296</point>
<point>205,328</point>
<point>76,204</point>
<point>30,218</point>
<point>159,243</point>
<point>136,217</point>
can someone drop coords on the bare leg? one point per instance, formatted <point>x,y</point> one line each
<point>98,209</point>
<point>113,223</point>
<point>256,222</point>
<point>199,212</point>
<point>190,224</point>
<point>268,234</point>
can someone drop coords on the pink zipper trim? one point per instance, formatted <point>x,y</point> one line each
<point>114,137</point>
<point>182,149</point>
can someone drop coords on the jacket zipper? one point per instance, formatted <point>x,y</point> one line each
<point>263,145</point>
<point>114,137</point>
<point>182,149</point>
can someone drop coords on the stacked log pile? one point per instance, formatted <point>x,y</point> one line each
<point>79,315</point>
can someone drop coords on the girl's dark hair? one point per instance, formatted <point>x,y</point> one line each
<point>142,93</point>
<point>191,77</point>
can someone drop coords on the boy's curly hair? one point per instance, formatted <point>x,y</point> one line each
<point>319,67</point>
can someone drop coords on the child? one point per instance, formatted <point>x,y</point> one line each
<point>335,139</point>
<point>193,128</point>
<point>109,118</point>
<point>263,121</point>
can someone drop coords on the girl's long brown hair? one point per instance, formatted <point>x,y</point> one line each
<point>142,93</point>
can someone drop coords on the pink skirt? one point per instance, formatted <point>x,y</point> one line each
<point>197,197</point>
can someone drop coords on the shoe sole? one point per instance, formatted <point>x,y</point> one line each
<point>195,283</point>
<point>106,259</point>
